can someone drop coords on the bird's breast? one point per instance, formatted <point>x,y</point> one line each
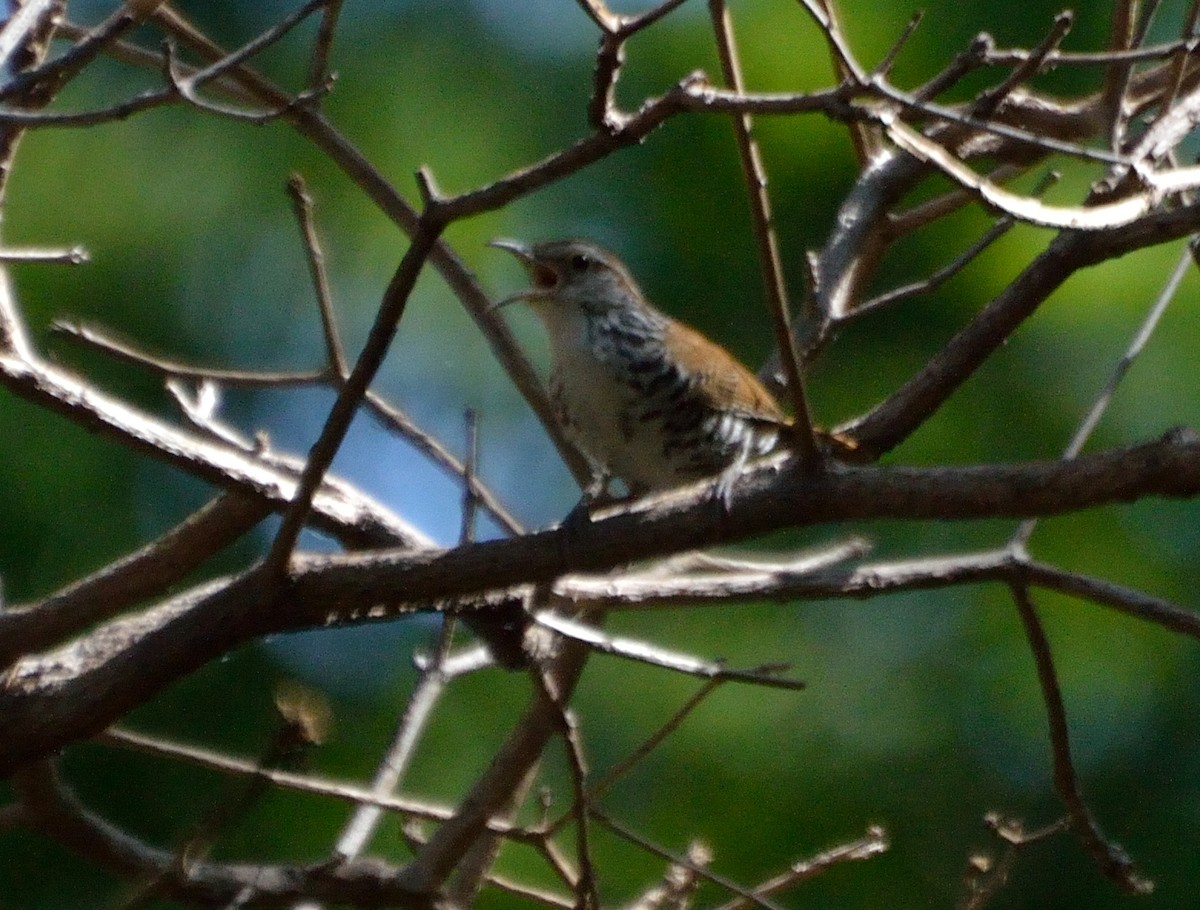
<point>598,408</point>
<point>653,419</point>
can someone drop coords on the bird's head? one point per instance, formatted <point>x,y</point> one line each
<point>571,273</point>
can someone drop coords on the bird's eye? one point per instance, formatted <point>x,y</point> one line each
<point>580,262</point>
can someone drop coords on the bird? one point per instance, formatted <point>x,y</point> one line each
<point>646,398</point>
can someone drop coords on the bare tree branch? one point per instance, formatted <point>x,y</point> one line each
<point>1112,860</point>
<point>55,811</point>
<point>82,658</point>
<point>155,567</point>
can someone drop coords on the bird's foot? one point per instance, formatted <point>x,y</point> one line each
<point>722,491</point>
<point>595,495</point>
<point>580,514</point>
<point>728,478</point>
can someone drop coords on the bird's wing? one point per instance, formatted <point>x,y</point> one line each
<point>721,378</point>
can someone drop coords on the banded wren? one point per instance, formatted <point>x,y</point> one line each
<point>646,398</point>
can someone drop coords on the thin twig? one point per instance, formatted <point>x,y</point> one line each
<point>765,239</point>
<point>993,98</point>
<point>201,405</point>
<point>965,62</point>
<point>1105,396</point>
<point>288,745</point>
<point>876,580</point>
<point>470,500</point>
<point>912,105</point>
<point>124,352</point>
<point>357,833</point>
<point>255,46</point>
<point>429,446</point>
<point>54,809</point>
<point>343,512</point>
<point>600,787</point>
<point>302,205</point>
<point>632,649</point>
<point>866,137</point>
<point>938,278</point>
<point>1111,859</point>
<point>48,78</point>
<point>415,839</point>
<point>302,783</point>
<point>145,58</point>
<point>631,25</point>
<point>988,876</point>
<point>823,13</point>
<point>1129,601</point>
<point>148,100</point>
<point>388,414</point>
<point>909,221</point>
<point>510,769</point>
<point>1179,59</point>
<point>587,897</point>
<point>872,844</point>
<point>677,889</point>
<point>884,67</point>
<point>699,869</point>
<point>1104,215</point>
<point>1118,72</point>
<point>1010,56</point>
<point>387,320</point>
<point>318,71</point>
<point>76,255</point>
<point>186,87</point>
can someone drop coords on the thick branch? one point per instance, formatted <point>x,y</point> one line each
<point>78,690</point>
<point>906,409</point>
<point>55,811</point>
<point>149,571</point>
<point>348,515</point>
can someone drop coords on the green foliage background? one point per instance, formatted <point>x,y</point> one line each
<point>922,711</point>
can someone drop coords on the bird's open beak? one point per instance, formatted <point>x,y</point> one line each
<point>516,247</point>
<point>544,278</point>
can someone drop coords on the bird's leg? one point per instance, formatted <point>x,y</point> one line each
<point>594,494</point>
